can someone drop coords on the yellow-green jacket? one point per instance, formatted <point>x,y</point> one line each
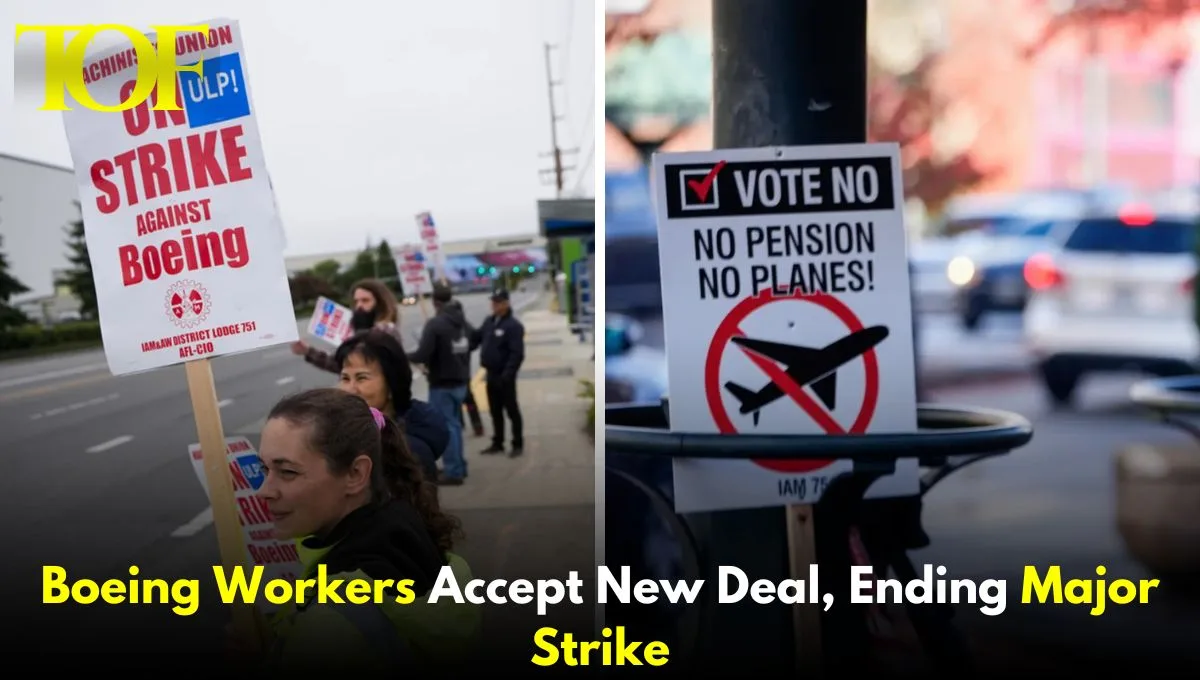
<point>372,638</point>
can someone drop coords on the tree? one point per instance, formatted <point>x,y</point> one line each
<point>1137,19</point>
<point>328,270</point>
<point>913,95</point>
<point>79,278</point>
<point>9,286</point>
<point>363,267</point>
<point>306,287</point>
<point>387,268</point>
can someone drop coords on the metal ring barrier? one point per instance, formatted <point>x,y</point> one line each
<point>951,438</point>
<point>1167,396</point>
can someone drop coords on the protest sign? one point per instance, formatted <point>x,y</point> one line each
<point>414,273</point>
<point>431,242</point>
<point>330,322</point>
<point>183,237</point>
<point>179,214</point>
<point>279,558</point>
<point>787,275</point>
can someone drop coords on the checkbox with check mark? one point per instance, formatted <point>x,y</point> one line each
<point>699,189</point>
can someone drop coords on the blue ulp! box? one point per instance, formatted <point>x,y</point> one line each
<point>219,95</point>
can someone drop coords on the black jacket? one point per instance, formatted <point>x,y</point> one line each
<point>501,343</point>
<point>445,348</point>
<point>385,542</point>
<point>427,434</point>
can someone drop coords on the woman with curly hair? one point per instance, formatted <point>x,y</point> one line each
<point>339,478</point>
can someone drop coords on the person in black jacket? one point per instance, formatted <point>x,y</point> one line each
<point>372,364</point>
<point>501,342</point>
<point>445,352</point>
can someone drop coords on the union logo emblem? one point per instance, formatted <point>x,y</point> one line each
<point>187,303</point>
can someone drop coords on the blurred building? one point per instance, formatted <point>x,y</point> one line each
<point>1039,93</point>
<point>1116,100</point>
<point>37,202</point>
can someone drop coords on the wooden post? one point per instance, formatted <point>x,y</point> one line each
<point>203,392</point>
<point>806,618</point>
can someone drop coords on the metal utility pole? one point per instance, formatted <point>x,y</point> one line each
<point>785,72</point>
<point>557,154</point>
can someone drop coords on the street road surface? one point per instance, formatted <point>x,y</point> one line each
<point>1053,502</point>
<point>97,476</point>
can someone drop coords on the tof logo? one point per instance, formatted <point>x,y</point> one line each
<point>187,303</point>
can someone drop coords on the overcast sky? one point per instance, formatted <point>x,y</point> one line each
<point>373,111</point>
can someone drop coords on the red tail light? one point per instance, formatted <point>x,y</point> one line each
<point>1041,273</point>
<point>1136,215</point>
<point>1188,285</point>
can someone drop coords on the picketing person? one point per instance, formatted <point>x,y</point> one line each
<point>340,479</point>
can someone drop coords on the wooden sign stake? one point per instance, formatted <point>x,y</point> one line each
<point>806,618</point>
<point>230,541</point>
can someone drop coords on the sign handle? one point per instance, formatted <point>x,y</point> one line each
<point>203,392</point>
<point>806,618</point>
<point>424,309</point>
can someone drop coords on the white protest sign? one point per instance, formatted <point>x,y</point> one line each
<point>431,242</point>
<point>183,233</point>
<point>330,322</point>
<point>413,270</point>
<point>786,272</point>
<point>279,558</point>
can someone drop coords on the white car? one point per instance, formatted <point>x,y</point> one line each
<point>1113,294</point>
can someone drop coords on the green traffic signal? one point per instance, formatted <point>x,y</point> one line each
<point>530,269</point>
<point>516,270</point>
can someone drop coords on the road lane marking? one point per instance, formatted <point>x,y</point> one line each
<point>196,525</point>
<point>284,381</point>
<point>75,407</point>
<point>112,443</point>
<point>224,402</point>
<point>51,375</point>
<point>49,389</point>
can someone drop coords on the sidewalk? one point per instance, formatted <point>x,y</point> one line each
<point>534,516</point>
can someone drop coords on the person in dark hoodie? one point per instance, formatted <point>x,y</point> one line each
<point>444,350</point>
<point>339,478</point>
<point>372,365</point>
<point>469,401</point>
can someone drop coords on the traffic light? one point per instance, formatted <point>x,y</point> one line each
<point>516,270</point>
<point>530,269</point>
<point>492,271</point>
<point>480,270</point>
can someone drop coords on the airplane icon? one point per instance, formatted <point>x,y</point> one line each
<point>805,366</point>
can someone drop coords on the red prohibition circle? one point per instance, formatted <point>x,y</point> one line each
<point>721,340</point>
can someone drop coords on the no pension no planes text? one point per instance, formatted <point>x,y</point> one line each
<point>1048,586</point>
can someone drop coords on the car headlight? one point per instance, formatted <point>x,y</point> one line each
<point>961,270</point>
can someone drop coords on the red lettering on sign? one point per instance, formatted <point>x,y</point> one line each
<point>194,162</point>
<point>187,253</point>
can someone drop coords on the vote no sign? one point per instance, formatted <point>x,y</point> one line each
<point>789,311</point>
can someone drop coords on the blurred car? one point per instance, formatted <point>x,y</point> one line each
<point>1115,295</point>
<point>994,234</point>
<point>634,372</point>
<point>987,273</point>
